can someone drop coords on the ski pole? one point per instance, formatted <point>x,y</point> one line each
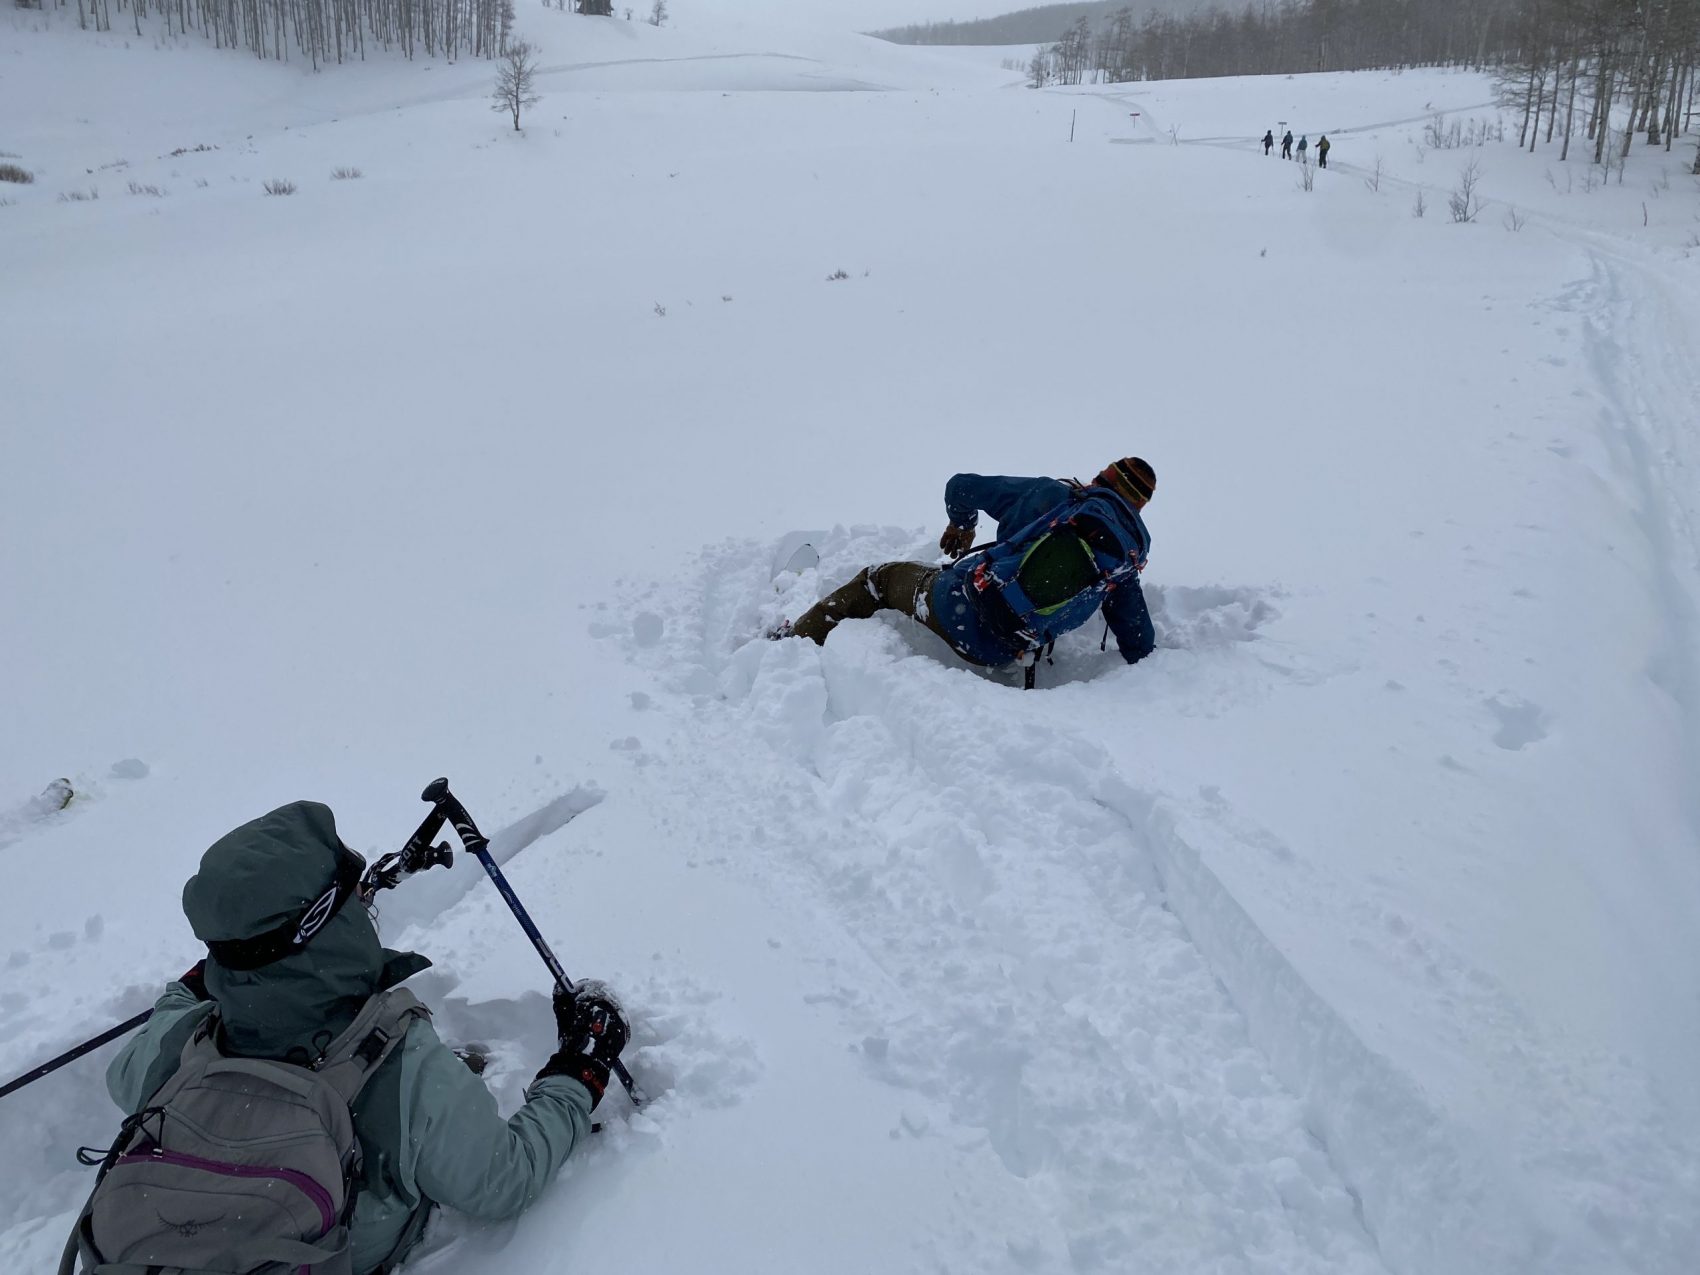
<point>387,873</point>
<point>71,1055</point>
<point>478,845</point>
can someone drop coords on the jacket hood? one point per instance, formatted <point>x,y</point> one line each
<point>255,878</point>
<point>264,873</point>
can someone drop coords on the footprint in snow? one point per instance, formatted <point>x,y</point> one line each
<point>1520,722</point>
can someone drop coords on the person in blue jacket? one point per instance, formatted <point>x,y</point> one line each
<point>967,604</point>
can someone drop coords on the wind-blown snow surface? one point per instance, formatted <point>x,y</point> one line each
<point>1354,930</point>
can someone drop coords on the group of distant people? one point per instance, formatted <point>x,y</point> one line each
<point>1322,145</point>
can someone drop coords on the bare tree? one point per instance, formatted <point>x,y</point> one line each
<point>1463,203</point>
<point>516,76</point>
<point>658,13</point>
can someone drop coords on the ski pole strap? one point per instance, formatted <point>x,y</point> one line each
<point>417,855</point>
<point>71,1055</point>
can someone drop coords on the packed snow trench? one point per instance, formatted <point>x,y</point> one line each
<point>1352,931</point>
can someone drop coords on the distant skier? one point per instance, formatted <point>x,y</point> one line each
<point>1322,145</point>
<point>1065,550</point>
<point>1303,143</point>
<point>1268,142</point>
<point>295,973</point>
<point>1287,145</point>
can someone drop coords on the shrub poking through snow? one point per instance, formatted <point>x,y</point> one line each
<point>153,192</point>
<point>836,275</point>
<point>79,196</point>
<point>1464,203</point>
<point>1442,134</point>
<point>346,174</point>
<point>279,186</point>
<point>13,173</point>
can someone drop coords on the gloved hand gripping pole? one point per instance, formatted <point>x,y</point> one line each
<point>478,845</point>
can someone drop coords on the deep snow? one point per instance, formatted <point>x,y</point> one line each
<point>1354,930</point>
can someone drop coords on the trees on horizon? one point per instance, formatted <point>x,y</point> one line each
<point>324,31</point>
<point>1579,59</point>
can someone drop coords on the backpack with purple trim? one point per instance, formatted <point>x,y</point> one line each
<point>239,1166</point>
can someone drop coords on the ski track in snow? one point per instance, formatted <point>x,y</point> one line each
<point>1236,141</point>
<point>1648,377</point>
<point>1194,1101</point>
<point>1131,1104</point>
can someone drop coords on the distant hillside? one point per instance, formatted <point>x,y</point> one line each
<point>1031,26</point>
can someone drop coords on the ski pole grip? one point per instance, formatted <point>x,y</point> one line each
<point>438,794</point>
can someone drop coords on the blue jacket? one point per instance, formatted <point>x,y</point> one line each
<point>1016,502</point>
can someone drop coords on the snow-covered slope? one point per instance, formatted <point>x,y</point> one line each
<point>1352,931</point>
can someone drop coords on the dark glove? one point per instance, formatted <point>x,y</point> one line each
<point>593,1030</point>
<point>956,541</point>
<point>195,979</point>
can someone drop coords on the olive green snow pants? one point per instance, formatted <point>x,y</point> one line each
<point>890,586</point>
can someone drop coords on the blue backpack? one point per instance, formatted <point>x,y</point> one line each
<point>1055,573</point>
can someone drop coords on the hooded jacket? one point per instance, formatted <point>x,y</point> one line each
<point>958,609</point>
<point>428,1129</point>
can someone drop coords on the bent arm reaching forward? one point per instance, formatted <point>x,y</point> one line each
<point>1013,502</point>
<point>465,1155</point>
<point>1130,620</point>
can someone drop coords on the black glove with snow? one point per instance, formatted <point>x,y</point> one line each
<point>593,1030</point>
<point>956,541</point>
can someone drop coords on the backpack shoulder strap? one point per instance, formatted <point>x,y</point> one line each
<point>199,1052</point>
<point>373,1035</point>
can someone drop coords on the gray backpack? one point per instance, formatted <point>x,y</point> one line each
<point>239,1166</point>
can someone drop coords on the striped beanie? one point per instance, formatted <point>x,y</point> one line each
<point>1131,478</point>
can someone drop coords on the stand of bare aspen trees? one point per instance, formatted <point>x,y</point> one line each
<point>1606,70</point>
<point>322,31</point>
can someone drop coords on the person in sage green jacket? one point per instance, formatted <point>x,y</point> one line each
<point>428,1129</point>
